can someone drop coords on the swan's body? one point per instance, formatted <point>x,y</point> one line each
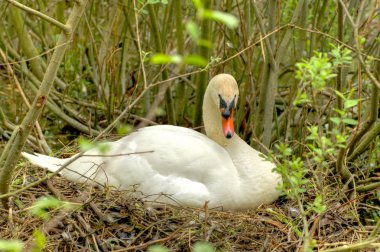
<point>175,164</point>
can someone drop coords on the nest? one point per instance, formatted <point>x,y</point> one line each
<point>112,221</point>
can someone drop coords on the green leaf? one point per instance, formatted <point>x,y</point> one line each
<point>318,205</point>
<point>160,59</point>
<point>205,43</point>
<point>335,120</point>
<point>157,248</point>
<point>329,76</point>
<point>340,112</point>
<point>225,18</point>
<point>341,138</point>
<point>350,121</point>
<point>124,129</point>
<point>195,60</point>
<point>361,40</point>
<point>339,94</point>
<point>11,245</point>
<point>85,144</point>
<point>193,30</point>
<point>160,111</point>
<point>153,1</point>
<point>203,247</point>
<point>287,152</point>
<point>350,103</point>
<point>42,206</point>
<point>341,145</point>
<point>157,1</point>
<point>198,4</point>
<point>301,98</point>
<point>103,147</point>
<point>145,55</point>
<point>176,59</point>
<point>39,241</point>
<point>215,60</point>
<point>318,152</point>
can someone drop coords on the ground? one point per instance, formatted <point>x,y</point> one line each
<point>111,221</point>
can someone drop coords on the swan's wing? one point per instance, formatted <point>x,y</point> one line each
<point>162,159</point>
<point>176,151</point>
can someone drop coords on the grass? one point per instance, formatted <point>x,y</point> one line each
<point>302,60</point>
<point>112,221</point>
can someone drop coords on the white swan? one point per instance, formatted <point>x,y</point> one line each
<point>186,165</point>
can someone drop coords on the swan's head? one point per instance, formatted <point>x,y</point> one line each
<point>224,92</point>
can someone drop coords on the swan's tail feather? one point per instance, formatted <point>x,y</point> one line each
<point>50,163</point>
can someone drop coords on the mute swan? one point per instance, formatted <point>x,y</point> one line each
<point>186,165</point>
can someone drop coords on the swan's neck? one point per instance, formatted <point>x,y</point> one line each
<point>212,120</point>
<point>235,146</point>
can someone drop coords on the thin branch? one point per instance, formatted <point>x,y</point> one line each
<point>376,230</point>
<point>63,27</point>
<point>139,44</point>
<point>353,144</point>
<point>37,182</point>
<point>44,146</point>
<point>8,161</point>
<point>356,246</point>
<point>157,37</point>
<point>264,33</point>
<point>223,62</point>
<point>368,187</point>
<point>357,45</point>
<point>339,78</point>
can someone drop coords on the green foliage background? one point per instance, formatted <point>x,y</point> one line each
<point>308,73</point>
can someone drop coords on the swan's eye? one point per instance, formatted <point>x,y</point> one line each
<point>222,103</point>
<point>232,104</point>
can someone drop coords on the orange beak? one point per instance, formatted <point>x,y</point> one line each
<point>228,125</point>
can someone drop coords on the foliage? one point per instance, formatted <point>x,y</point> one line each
<point>203,247</point>
<point>11,245</point>
<point>156,1</point>
<point>317,71</point>
<point>293,172</point>
<point>39,241</point>
<point>315,75</point>
<point>296,72</point>
<point>42,207</point>
<point>323,141</point>
<point>193,30</point>
<point>342,119</point>
<point>198,247</point>
<point>85,145</point>
<point>194,60</point>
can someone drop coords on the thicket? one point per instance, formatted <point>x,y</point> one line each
<point>308,73</point>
